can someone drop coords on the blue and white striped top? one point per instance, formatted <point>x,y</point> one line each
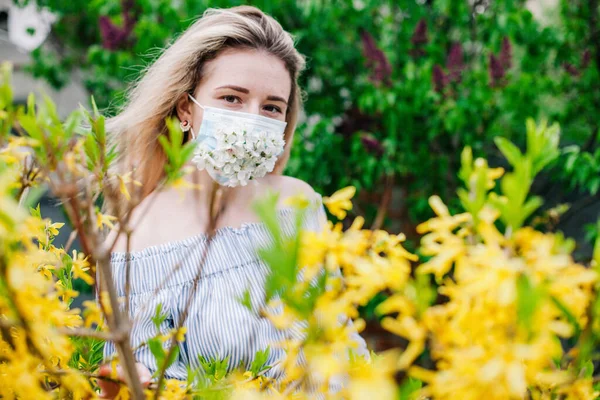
<point>218,325</point>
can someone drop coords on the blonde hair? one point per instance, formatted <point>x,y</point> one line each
<point>179,69</point>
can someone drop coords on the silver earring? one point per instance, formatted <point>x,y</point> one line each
<point>185,125</point>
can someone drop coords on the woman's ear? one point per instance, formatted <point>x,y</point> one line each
<point>184,109</point>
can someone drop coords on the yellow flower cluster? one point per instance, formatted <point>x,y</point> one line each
<point>370,262</point>
<point>507,301</point>
<point>34,308</point>
<point>497,334</point>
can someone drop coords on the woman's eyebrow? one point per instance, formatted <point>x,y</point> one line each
<point>277,98</point>
<point>246,91</point>
<point>236,88</point>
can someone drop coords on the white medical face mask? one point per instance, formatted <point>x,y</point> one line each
<point>236,147</point>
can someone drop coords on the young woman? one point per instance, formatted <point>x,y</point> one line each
<point>232,70</point>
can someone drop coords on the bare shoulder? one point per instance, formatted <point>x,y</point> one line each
<point>288,186</point>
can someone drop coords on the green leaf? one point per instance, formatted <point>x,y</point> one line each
<point>36,212</point>
<point>408,387</point>
<point>466,162</point>
<point>587,370</point>
<point>259,362</point>
<point>596,253</point>
<point>214,369</point>
<point>50,109</point>
<point>246,300</point>
<point>425,292</point>
<point>307,303</point>
<point>187,151</point>
<point>91,149</point>
<point>530,206</point>
<point>31,105</point>
<point>73,121</point>
<point>282,255</point>
<point>594,185</point>
<point>30,125</point>
<point>543,160</point>
<point>100,131</point>
<point>158,317</point>
<point>509,150</point>
<point>166,145</point>
<point>173,356</point>
<point>266,209</point>
<point>94,107</point>
<point>157,350</point>
<point>568,315</point>
<point>528,298</point>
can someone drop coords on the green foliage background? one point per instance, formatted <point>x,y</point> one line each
<point>395,88</point>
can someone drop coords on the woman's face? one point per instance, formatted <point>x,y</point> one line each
<point>250,81</point>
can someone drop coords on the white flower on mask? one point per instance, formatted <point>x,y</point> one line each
<point>239,154</point>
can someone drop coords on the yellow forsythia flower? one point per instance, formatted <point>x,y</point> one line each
<point>339,203</point>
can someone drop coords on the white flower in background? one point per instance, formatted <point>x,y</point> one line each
<point>345,93</point>
<point>313,120</point>
<point>337,120</point>
<point>358,5</point>
<point>315,84</point>
<point>237,155</point>
<point>28,26</point>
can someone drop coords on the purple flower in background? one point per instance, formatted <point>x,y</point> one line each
<point>439,78</point>
<point>571,69</point>
<point>354,121</point>
<point>419,39</point>
<point>506,54</point>
<point>586,57</point>
<point>114,37</point>
<point>500,64</point>
<point>454,63</point>
<point>497,71</point>
<point>371,144</point>
<point>376,59</point>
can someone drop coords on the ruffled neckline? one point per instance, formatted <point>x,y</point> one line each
<point>202,237</point>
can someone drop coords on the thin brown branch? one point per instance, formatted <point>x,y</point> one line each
<point>23,195</point>
<point>122,344</point>
<point>70,241</point>
<point>292,387</point>
<point>62,372</point>
<point>385,203</point>
<point>119,322</point>
<point>127,272</point>
<point>92,333</point>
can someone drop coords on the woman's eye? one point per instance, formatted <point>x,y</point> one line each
<point>230,98</point>
<point>273,109</point>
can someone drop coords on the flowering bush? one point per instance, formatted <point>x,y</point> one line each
<point>396,88</point>
<point>489,308</point>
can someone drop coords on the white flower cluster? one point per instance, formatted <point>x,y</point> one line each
<point>237,155</point>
